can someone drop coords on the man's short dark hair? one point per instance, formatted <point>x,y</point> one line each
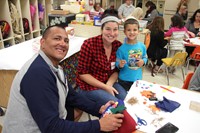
<point>46,31</point>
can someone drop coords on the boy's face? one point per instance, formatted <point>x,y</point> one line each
<point>132,31</point>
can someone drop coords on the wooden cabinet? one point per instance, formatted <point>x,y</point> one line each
<point>36,24</point>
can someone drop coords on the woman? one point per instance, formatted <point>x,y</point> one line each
<point>182,9</point>
<point>151,12</point>
<point>156,50</point>
<point>96,70</point>
<point>96,10</point>
<point>193,23</point>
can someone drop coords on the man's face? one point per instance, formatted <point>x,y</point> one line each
<point>55,44</point>
<point>128,2</point>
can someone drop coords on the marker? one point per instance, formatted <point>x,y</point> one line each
<point>167,89</point>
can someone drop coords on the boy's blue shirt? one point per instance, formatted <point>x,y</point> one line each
<point>131,53</point>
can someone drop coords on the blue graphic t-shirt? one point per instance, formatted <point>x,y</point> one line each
<point>131,53</point>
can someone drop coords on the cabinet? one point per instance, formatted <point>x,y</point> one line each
<point>36,24</point>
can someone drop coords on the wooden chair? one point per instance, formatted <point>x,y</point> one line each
<point>178,60</point>
<point>187,80</point>
<point>194,56</point>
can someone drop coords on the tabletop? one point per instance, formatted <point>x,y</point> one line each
<point>14,57</point>
<point>185,118</point>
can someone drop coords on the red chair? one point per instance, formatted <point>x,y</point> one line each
<point>187,80</point>
<point>194,56</point>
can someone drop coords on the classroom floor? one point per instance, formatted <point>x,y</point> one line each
<point>176,80</point>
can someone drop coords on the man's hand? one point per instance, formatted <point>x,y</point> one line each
<point>111,122</point>
<point>104,107</point>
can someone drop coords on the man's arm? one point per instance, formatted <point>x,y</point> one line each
<point>41,93</point>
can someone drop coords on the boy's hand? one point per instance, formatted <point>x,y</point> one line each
<point>122,63</point>
<point>140,63</point>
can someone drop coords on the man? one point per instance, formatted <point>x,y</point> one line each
<point>39,95</point>
<point>125,9</point>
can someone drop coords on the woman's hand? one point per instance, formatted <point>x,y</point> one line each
<point>111,90</point>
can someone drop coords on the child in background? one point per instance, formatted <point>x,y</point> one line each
<point>96,11</point>
<point>131,56</point>
<point>177,24</point>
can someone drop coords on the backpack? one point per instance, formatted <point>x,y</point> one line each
<point>15,18</point>
<point>33,12</point>
<point>26,25</point>
<point>5,28</point>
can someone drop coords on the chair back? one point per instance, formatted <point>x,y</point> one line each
<point>187,80</point>
<point>178,59</point>
<point>176,41</point>
<point>196,54</point>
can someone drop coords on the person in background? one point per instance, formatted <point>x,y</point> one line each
<point>151,12</point>
<point>182,9</point>
<point>126,9</point>
<point>131,56</point>
<point>177,24</point>
<point>137,13</point>
<point>157,50</point>
<point>96,71</point>
<point>195,81</point>
<point>96,11</point>
<point>139,5</point>
<point>193,25</point>
<point>41,100</point>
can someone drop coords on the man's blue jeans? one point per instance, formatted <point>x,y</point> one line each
<point>103,96</point>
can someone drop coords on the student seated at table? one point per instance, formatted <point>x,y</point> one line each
<point>126,9</point>
<point>193,25</point>
<point>151,12</point>
<point>157,50</point>
<point>131,56</point>
<point>96,11</point>
<point>137,13</point>
<point>195,81</point>
<point>96,71</point>
<point>177,24</point>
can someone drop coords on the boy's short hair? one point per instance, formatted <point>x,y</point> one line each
<point>131,21</point>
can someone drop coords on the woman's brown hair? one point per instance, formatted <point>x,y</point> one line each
<point>156,25</point>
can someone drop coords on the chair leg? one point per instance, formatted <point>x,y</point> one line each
<point>167,73</point>
<point>183,74</point>
<point>187,67</point>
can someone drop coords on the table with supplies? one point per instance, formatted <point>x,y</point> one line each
<point>182,107</point>
<point>192,42</point>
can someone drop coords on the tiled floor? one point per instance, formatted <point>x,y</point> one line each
<point>175,80</point>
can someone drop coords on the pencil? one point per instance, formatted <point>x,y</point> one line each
<point>167,89</point>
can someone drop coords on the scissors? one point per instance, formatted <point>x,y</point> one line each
<point>140,121</point>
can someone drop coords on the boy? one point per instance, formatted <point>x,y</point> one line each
<point>131,56</point>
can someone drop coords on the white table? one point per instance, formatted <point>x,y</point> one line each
<point>14,57</point>
<point>185,119</point>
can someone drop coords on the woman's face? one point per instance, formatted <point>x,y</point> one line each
<point>197,17</point>
<point>98,7</point>
<point>110,32</point>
